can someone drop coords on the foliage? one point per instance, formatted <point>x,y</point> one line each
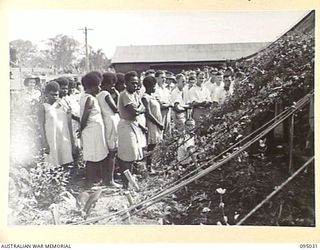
<point>22,51</point>
<point>62,50</point>
<point>281,73</point>
<point>32,181</point>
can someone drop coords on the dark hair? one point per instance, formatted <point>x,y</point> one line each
<point>98,74</point>
<point>178,76</point>
<point>62,81</point>
<point>159,72</point>
<point>72,84</point>
<point>109,78</point>
<point>90,80</point>
<point>51,86</point>
<point>129,75</point>
<point>149,72</point>
<point>148,81</point>
<point>200,73</point>
<point>120,78</point>
<point>219,73</point>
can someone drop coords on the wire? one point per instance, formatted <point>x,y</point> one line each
<point>202,173</point>
<point>275,191</point>
<point>234,145</point>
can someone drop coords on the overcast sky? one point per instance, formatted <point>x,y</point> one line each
<point>115,28</point>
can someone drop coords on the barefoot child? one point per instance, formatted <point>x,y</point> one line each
<point>54,130</point>
<point>153,116</point>
<point>95,150</point>
<point>129,140</point>
<point>111,119</point>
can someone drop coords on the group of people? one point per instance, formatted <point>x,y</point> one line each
<point>127,116</point>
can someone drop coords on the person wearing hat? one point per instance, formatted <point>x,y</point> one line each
<point>32,91</point>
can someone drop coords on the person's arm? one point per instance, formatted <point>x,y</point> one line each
<point>111,103</point>
<point>143,128</point>
<point>178,108</point>
<point>116,93</point>
<point>149,115</point>
<point>73,145</point>
<point>42,129</point>
<point>197,104</point>
<point>76,118</point>
<point>86,112</point>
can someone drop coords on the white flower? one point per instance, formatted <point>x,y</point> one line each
<point>225,219</point>
<point>238,137</point>
<point>206,210</point>
<point>236,216</point>
<point>221,205</point>
<point>220,190</point>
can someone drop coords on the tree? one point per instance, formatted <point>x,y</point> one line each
<point>62,51</point>
<point>22,51</point>
<point>98,60</point>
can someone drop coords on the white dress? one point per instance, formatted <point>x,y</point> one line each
<point>154,133</point>
<point>110,120</point>
<point>93,140</point>
<point>57,134</point>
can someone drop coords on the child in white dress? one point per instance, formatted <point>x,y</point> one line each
<point>56,134</point>
<point>153,116</point>
<point>110,115</point>
<point>95,150</point>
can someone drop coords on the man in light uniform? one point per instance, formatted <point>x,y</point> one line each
<point>210,84</point>
<point>162,94</point>
<point>218,91</point>
<point>199,97</point>
<point>177,98</point>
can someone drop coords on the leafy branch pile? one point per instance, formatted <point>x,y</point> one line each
<point>282,73</point>
<point>33,183</point>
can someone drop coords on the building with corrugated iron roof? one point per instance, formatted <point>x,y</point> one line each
<point>177,57</point>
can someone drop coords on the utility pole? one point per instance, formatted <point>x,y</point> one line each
<point>86,46</point>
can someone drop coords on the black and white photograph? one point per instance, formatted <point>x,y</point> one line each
<point>161,117</point>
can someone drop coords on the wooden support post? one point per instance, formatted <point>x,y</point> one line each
<point>278,131</point>
<point>129,197</point>
<point>291,133</point>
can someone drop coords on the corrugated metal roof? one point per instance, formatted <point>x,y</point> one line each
<point>186,52</point>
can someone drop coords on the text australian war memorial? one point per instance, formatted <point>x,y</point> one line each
<point>187,134</point>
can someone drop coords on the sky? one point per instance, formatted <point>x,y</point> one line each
<point>123,28</point>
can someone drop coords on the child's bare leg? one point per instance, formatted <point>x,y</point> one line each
<point>91,169</point>
<point>124,165</point>
<point>108,169</point>
<point>149,157</point>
